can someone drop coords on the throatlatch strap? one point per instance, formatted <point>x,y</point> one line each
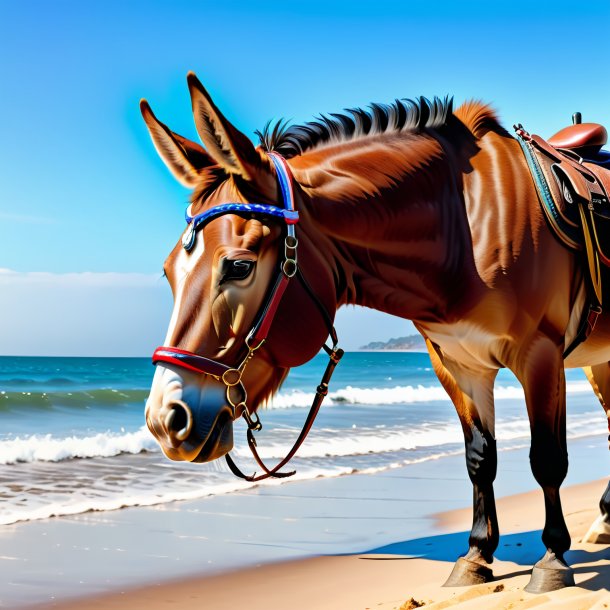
<point>321,392</point>
<point>314,297</point>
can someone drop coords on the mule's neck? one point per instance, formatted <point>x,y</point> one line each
<point>388,215</point>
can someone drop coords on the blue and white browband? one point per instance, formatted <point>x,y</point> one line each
<point>288,214</point>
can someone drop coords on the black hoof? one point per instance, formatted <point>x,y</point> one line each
<point>467,573</point>
<point>550,574</point>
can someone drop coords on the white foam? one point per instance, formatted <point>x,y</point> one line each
<point>75,505</point>
<point>159,494</point>
<point>46,448</point>
<point>78,504</point>
<point>397,395</point>
<point>362,441</point>
<point>276,443</point>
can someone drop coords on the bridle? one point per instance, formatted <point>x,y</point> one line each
<point>231,376</point>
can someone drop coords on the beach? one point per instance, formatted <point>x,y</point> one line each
<point>391,578</point>
<point>362,541</point>
<point>93,515</point>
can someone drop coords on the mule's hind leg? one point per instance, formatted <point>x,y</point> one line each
<point>599,377</point>
<point>542,375</point>
<point>472,394</point>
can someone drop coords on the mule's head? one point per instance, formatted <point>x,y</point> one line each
<point>221,282</point>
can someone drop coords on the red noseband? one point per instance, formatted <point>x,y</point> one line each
<point>189,361</point>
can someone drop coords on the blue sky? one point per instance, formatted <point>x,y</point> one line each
<point>82,190</point>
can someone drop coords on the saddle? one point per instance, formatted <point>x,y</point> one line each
<point>572,177</point>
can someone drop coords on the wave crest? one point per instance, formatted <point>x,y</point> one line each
<point>46,448</point>
<point>396,395</point>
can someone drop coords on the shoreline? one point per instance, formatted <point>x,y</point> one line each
<point>47,562</point>
<point>388,577</point>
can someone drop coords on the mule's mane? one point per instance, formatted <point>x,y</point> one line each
<point>401,115</point>
<point>479,118</point>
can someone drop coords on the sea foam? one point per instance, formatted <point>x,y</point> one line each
<point>275,444</point>
<point>46,448</point>
<point>397,395</point>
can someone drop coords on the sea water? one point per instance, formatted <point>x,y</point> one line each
<point>73,439</point>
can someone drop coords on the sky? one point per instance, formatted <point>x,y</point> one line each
<point>88,212</point>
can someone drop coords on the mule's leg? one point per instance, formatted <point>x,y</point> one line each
<point>542,376</point>
<point>599,377</point>
<point>472,394</point>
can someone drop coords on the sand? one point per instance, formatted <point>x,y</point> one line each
<point>399,575</point>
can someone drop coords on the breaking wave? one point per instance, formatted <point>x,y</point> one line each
<point>324,442</point>
<point>397,395</point>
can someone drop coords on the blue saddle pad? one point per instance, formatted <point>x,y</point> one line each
<point>602,158</point>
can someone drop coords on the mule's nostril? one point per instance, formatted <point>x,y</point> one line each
<point>177,418</point>
<point>178,422</point>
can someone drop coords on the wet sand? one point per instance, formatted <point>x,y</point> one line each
<point>390,577</point>
<point>365,541</point>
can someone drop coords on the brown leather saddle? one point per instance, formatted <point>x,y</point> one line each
<point>572,177</point>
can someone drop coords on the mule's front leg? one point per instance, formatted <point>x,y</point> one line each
<point>472,395</point>
<point>481,462</point>
<point>543,379</point>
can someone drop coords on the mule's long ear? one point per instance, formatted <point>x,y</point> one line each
<point>182,157</point>
<point>230,148</point>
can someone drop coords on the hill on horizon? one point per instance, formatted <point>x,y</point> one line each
<point>411,343</point>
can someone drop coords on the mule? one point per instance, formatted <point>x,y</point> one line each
<point>412,209</point>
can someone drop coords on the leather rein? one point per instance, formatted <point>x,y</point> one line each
<point>231,376</point>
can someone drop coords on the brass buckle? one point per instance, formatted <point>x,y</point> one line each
<point>289,266</point>
<point>232,377</point>
<point>226,377</point>
<point>239,400</point>
<point>251,349</point>
<point>240,408</point>
<point>254,423</point>
<point>290,243</point>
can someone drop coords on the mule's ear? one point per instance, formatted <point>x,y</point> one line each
<point>230,148</point>
<point>182,157</point>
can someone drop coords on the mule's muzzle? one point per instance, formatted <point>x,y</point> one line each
<point>220,439</point>
<point>191,423</point>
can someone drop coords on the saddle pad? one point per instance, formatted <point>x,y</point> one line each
<point>574,198</point>
<point>562,217</point>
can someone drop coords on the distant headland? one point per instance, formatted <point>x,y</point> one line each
<point>412,343</point>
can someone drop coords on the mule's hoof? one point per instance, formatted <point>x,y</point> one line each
<point>599,532</point>
<point>467,573</point>
<point>550,574</point>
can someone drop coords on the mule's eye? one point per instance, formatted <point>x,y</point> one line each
<point>238,269</point>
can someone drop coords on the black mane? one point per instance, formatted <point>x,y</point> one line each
<point>402,115</point>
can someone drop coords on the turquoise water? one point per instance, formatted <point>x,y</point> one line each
<point>72,435</point>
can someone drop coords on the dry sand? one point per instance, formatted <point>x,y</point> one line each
<point>391,578</point>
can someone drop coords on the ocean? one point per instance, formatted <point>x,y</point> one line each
<point>73,439</point>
